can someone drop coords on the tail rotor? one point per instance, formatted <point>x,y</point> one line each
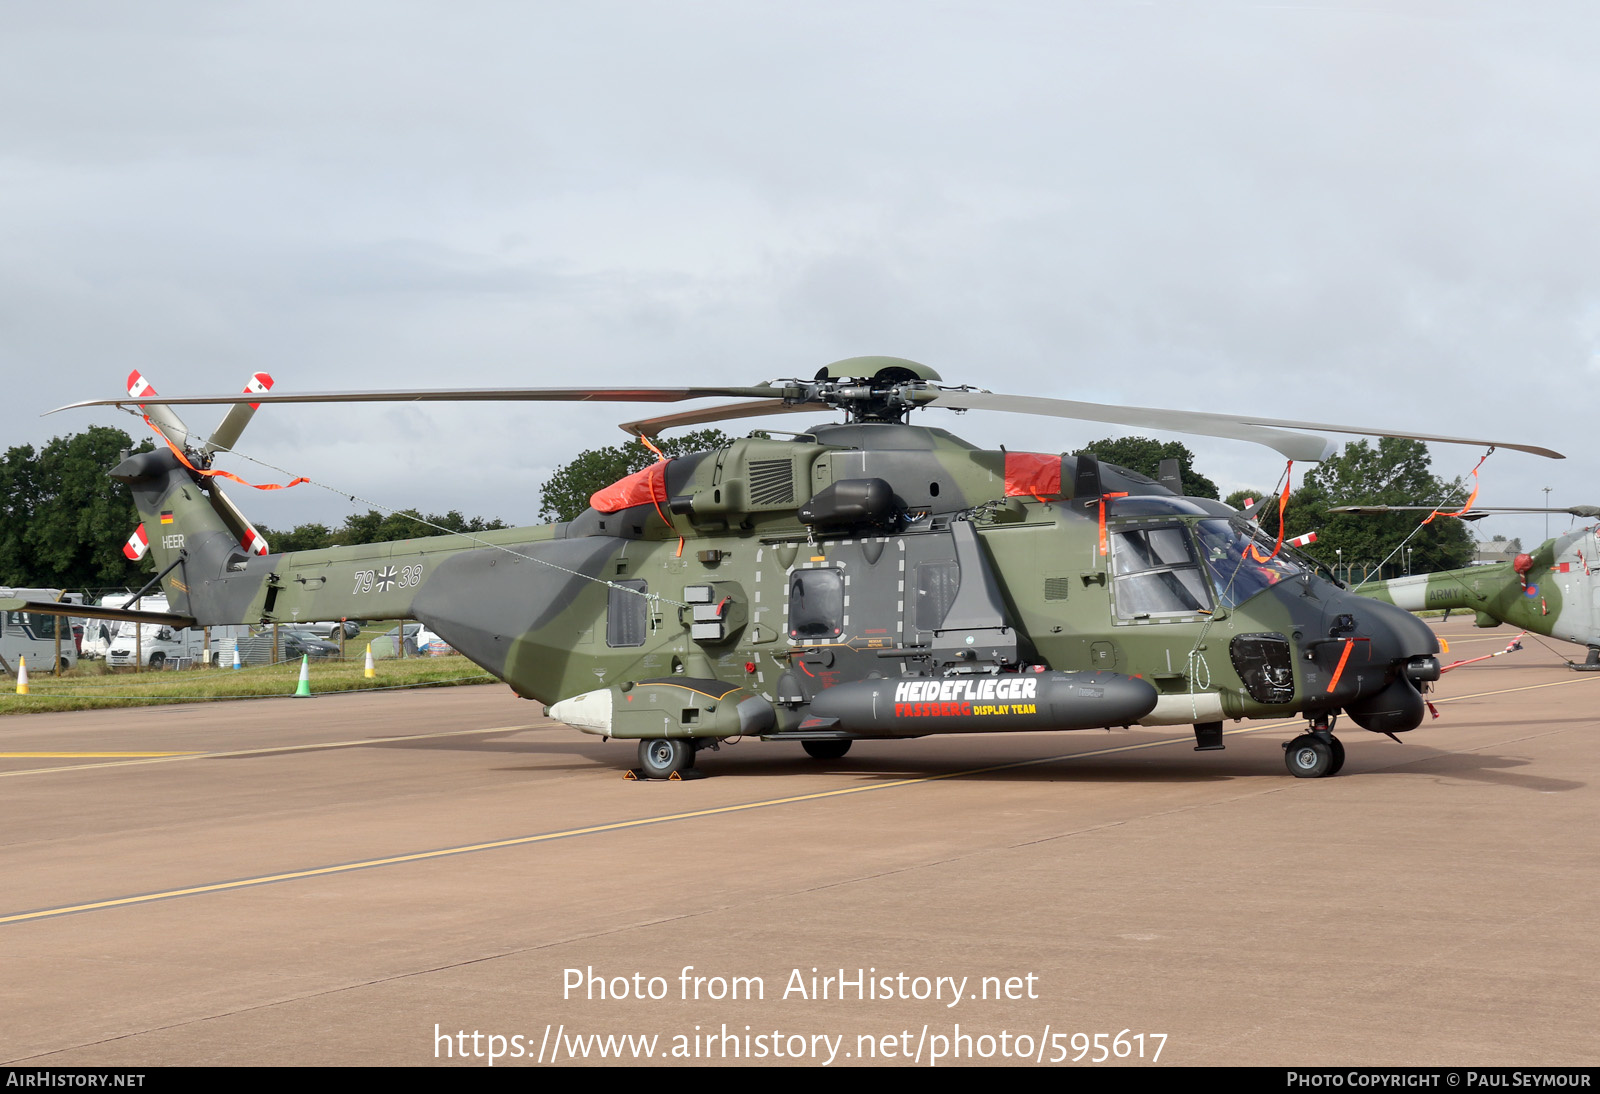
<point>164,420</point>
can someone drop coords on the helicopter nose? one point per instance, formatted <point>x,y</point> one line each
<point>1404,655</point>
<point>1415,646</point>
<point>1396,635</point>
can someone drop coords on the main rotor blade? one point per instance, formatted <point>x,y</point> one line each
<point>1272,432</point>
<point>651,427</point>
<point>1376,510</point>
<point>460,395</point>
<point>1586,511</point>
<point>1296,446</point>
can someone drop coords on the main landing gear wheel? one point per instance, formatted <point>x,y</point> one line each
<point>1310,756</point>
<point>661,757</point>
<point>825,750</point>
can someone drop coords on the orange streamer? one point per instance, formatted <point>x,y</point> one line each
<point>222,474</point>
<point>1476,485</point>
<point>1103,497</point>
<point>1349,644</point>
<point>1283,503</point>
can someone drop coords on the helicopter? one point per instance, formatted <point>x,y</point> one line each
<point>1553,590</point>
<point>865,579</point>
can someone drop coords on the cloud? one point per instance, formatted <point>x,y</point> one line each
<point>1323,211</point>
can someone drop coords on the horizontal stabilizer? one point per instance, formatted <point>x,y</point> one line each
<point>91,611</point>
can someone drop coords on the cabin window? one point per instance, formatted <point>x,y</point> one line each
<point>1155,573</point>
<point>627,613</point>
<point>937,583</point>
<point>816,604</point>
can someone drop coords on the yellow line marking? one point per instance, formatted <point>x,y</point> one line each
<point>545,837</point>
<point>84,755</point>
<point>1507,691</point>
<point>641,822</point>
<point>173,757</point>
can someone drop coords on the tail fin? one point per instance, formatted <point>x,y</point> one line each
<point>189,540</point>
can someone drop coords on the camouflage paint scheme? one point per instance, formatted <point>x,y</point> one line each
<point>705,649</point>
<point>1556,596</point>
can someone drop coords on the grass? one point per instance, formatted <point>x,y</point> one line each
<point>92,686</point>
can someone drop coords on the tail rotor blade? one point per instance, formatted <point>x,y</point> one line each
<point>137,544</point>
<point>162,417</point>
<point>237,522</point>
<point>158,414</point>
<point>227,432</point>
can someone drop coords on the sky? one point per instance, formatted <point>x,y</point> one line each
<point>1367,212</point>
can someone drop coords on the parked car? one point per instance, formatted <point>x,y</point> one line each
<point>419,641</point>
<point>295,641</point>
<point>330,630</point>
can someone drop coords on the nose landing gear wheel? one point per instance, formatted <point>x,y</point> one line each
<point>1310,757</point>
<point>1338,755</point>
<point>659,758</point>
<point>825,750</point>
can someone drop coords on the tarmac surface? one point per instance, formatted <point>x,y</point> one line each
<point>376,879</point>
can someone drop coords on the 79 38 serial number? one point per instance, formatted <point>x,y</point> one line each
<point>381,581</point>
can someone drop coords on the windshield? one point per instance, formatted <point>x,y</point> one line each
<point>1237,571</point>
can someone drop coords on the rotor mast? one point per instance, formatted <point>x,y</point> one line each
<point>867,389</point>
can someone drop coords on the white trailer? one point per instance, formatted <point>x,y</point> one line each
<point>32,635</point>
<point>157,645</point>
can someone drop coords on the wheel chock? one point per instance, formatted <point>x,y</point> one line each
<point>636,774</point>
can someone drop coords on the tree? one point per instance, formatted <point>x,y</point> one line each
<point>375,527</point>
<point>304,537</point>
<point>63,522</point>
<point>566,494</point>
<point>1394,472</point>
<point>1144,455</point>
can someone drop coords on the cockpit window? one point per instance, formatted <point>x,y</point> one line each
<point>1155,573</point>
<point>1241,560</point>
